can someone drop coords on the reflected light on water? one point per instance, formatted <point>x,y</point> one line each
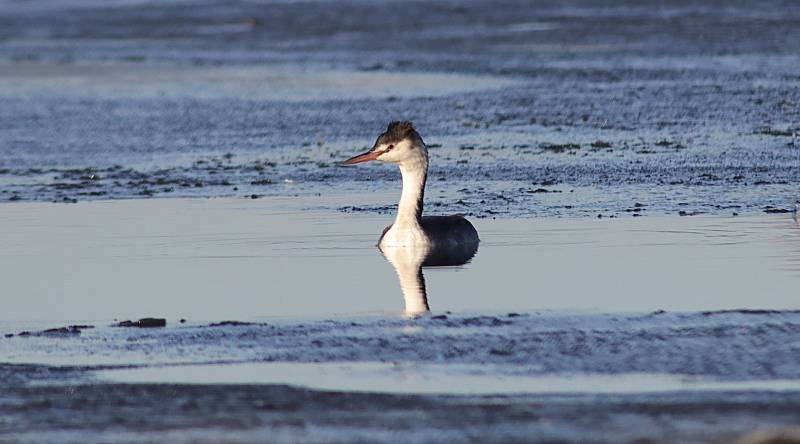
<point>243,259</point>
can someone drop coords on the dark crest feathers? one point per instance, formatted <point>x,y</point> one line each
<point>397,131</point>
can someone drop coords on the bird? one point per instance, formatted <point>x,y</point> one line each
<point>442,236</point>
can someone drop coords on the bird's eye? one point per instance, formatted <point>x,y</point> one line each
<point>389,147</point>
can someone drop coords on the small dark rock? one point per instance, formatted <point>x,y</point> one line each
<point>743,311</point>
<point>143,323</point>
<point>767,131</point>
<point>229,324</point>
<point>559,147</point>
<point>439,317</point>
<point>498,352</point>
<point>484,321</point>
<point>57,331</point>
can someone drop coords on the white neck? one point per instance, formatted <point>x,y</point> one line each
<point>409,210</point>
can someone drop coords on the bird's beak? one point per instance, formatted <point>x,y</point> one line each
<point>365,157</point>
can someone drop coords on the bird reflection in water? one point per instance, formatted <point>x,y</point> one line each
<point>408,262</point>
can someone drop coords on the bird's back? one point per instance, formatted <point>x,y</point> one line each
<point>449,229</point>
<point>453,238</point>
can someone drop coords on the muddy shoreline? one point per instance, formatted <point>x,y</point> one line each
<point>230,413</point>
<point>681,107</point>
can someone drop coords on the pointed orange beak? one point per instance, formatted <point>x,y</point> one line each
<point>365,157</point>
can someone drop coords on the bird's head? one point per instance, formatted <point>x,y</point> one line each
<point>399,144</point>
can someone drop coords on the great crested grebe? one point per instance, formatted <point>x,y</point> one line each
<point>402,145</point>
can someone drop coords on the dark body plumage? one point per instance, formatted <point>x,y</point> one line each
<point>454,241</point>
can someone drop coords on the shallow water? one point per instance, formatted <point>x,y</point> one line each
<point>285,83</point>
<point>428,379</point>
<point>279,265</point>
<point>245,259</point>
<point>572,308</point>
<point>618,329</point>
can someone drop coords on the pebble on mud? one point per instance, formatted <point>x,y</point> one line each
<point>769,131</point>
<point>773,210</point>
<point>559,147</point>
<point>69,330</point>
<point>230,324</point>
<point>601,144</point>
<point>143,323</point>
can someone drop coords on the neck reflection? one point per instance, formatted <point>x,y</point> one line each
<point>408,262</point>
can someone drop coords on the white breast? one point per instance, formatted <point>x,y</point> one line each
<point>404,236</point>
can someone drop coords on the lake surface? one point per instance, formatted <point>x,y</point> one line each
<point>246,259</point>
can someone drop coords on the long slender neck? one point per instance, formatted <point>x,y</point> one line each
<point>415,173</point>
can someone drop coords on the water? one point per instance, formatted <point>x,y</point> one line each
<point>192,149</point>
<point>276,257</point>
<point>542,297</point>
<point>428,379</point>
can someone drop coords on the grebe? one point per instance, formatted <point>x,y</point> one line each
<point>402,145</point>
